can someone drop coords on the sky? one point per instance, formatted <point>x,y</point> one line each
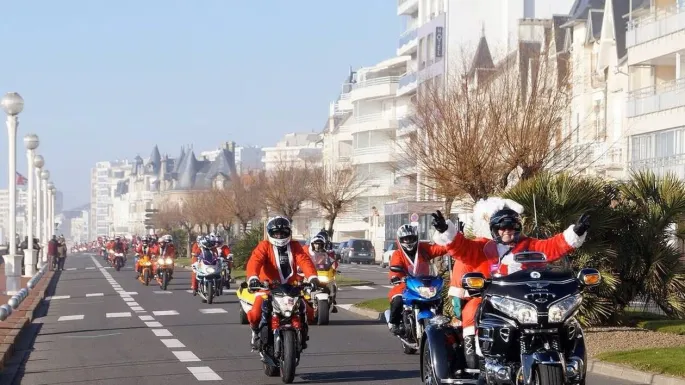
<point>106,80</point>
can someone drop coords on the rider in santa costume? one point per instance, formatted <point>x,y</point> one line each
<point>497,224</point>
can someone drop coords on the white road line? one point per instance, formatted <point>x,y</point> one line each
<point>230,291</point>
<point>388,286</point>
<point>70,317</point>
<point>58,297</point>
<point>132,304</point>
<point>162,332</point>
<point>137,308</point>
<point>162,292</point>
<point>130,292</point>
<point>71,268</point>
<point>172,343</point>
<point>128,299</point>
<point>119,315</point>
<point>344,306</point>
<point>165,312</point>
<point>189,291</point>
<point>95,295</point>
<point>204,373</point>
<point>363,287</point>
<point>153,324</point>
<point>146,318</point>
<point>186,356</point>
<point>213,311</point>
<point>90,268</point>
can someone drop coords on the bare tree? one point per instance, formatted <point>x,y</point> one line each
<point>483,124</point>
<point>287,187</point>
<point>242,199</point>
<point>335,190</point>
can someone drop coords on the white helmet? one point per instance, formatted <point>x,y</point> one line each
<point>278,231</point>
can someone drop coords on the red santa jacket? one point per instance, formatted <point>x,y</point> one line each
<point>264,264</point>
<point>168,251</point>
<point>421,263</point>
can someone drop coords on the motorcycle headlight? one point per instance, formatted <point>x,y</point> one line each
<point>427,292</point>
<point>522,312</point>
<point>562,309</point>
<point>169,261</point>
<point>284,304</point>
<point>323,279</point>
<point>147,263</point>
<point>210,270</point>
<point>287,313</point>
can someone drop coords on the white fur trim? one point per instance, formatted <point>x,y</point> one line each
<point>574,240</point>
<point>469,331</point>
<point>396,295</point>
<point>444,239</point>
<point>309,279</point>
<point>254,276</point>
<point>484,209</point>
<point>458,292</point>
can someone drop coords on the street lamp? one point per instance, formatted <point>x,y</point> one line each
<point>38,163</point>
<point>13,104</point>
<point>31,141</point>
<point>44,176</point>
<point>51,209</point>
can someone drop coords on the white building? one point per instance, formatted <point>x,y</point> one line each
<point>248,158</point>
<point>294,148</point>
<point>104,179</point>
<point>656,104</point>
<point>21,211</point>
<point>79,228</point>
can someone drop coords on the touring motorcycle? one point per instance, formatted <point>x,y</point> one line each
<point>208,273</point>
<point>526,327</point>
<point>422,302</point>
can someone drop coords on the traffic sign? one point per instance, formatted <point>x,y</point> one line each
<point>414,217</point>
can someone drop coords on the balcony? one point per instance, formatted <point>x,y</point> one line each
<point>374,88</point>
<point>660,33</point>
<point>374,154</point>
<point>599,156</point>
<point>660,166</point>
<point>407,83</point>
<point>409,42</point>
<point>654,99</point>
<point>405,126</point>
<point>407,7</point>
<point>372,122</point>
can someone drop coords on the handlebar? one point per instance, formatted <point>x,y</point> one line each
<point>267,285</point>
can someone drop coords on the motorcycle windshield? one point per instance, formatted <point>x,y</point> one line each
<point>322,261</point>
<point>208,258</point>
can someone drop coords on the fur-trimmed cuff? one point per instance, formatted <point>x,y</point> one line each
<point>457,292</point>
<point>574,240</point>
<point>444,239</point>
<point>309,279</point>
<point>249,278</point>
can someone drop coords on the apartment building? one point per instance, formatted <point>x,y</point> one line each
<point>656,104</point>
<point>294,148</point>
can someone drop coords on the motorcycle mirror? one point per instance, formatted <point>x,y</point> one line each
<point>474,283</point>
<point>589,277</point>
<point>397,269</point>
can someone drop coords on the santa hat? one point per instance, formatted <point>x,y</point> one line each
<point>484,209</point>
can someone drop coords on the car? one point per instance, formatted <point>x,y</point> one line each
<point>390,247</point>
<point>358,250</point>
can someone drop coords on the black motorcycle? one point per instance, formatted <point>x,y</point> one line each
<point>526,327</point>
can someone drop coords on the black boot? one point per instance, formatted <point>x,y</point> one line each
<point>470,352</point>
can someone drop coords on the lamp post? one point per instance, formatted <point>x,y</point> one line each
<point>51,209</point>
<point>44,176</point>
<point>31,142</point>
<point>13,104</point>
<point>38,163</point>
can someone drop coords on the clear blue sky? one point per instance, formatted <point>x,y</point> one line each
<point>110,79</point>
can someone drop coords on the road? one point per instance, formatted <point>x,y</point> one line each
<point>104,327</point>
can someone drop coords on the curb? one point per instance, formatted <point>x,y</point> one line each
<point>27,313</point>
<point>360,283</point>
<point>593,366</point>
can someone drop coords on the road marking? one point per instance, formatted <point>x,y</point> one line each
<point>71,269</point>
<point>119,315</point>
<point>172,343</point>
<point>186,356</point>
<point>96,336</point>
<point>204,373</point>
<point>128,299</point>
<point>130,292</point>
<point>146,318</point>
<point>213,311</point>
<point>95,295</point>
<point>90,268</point>
<point>154,324</point>
<point>137,308</point>
<point>108,267</point>
<point>161,292</point>
<point>189,291</point>
<point>230,291</point>
<point>344,306</point>
<point>388,286</point>
<point>165,312</point>
<point>58,297</point>
<point>70,317</point>
<point>162,332</point>
<point>131,304</point>
<point>363,287</point>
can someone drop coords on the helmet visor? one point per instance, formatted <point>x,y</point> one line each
<point>409,241</point>
<point>508,223</point>
<point>279,233</point>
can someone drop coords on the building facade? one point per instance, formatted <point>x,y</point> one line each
<point>294,148</point>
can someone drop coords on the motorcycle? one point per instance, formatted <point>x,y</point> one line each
<point>164,269</point>
<point>283,330</point>
<point>527,330</point>
<point>322,299</point>
<point>422,302</point>
<point>118,261</point>
<point>145,269</point>
<point>246,298</point>
<point>208,274</point>
<point>226,272</point>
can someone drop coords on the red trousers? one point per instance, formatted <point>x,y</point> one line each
<point>468,315</point>
<point>397,290</point>
<point>193,279</point>
<point>255,314</point>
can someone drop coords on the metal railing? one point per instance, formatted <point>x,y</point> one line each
<point>407,79</point>
<point>407,36</point>
<point>652,99</point>
<point>377,81</point>
<point>659,23</point>
<point>387,149</point>
<point>373,117</point>
<point>16,300</point>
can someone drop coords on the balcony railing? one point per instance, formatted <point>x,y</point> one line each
<point>408,36</point>
<point>377,81</point>
<point>652,99</point>
<point>407,79</point>
<point>661,22</point>
<point>380,150</point>
<point>373,117</point>
<point>660,166</point>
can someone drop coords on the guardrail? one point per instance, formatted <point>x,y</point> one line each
<point>17,299</point>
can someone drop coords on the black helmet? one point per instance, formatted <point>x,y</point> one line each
<point>279,231</point>
<point>505,219</point>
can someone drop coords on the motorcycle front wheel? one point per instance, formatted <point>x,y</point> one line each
<point>165,279</point>
<point>288,356</point>
<point>210,293</point>
<point>549,375</point>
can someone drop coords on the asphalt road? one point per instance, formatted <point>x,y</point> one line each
<point>104,327</point>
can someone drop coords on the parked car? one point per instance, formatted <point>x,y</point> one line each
<point>390,247</point>
<point>358,250</point>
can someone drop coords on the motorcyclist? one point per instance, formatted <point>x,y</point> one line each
<point>202,242</point>
<point>414,258</point>
<point>118,246</point>
<point>494,255</point>
<point>319,255</point>
<point>276,260</point>
<point>145,248</point>
<point>167,250</point>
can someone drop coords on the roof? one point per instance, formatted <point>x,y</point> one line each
<point>594,22</point>
<point>580,10</point>
<point>482,59</point>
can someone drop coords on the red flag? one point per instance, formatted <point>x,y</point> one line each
<point>21,180</point>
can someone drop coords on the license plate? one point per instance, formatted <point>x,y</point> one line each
<point>363,254</point>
